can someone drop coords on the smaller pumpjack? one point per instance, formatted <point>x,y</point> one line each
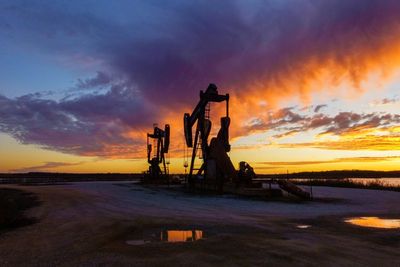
<point>162,138</point>
<point>216,166</point>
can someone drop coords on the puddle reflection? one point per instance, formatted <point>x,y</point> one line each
<point>169,236</point>
<point>374,222</point>
<point>137,242</point>
<point>181,235</point>
<point>303,226</point>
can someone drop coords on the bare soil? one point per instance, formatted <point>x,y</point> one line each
<point>88,224</point>
<point>13,203</point>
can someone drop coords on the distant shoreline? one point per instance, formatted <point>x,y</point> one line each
<point>337,174</point>
<point>373,184</point>
<point>53,177</point>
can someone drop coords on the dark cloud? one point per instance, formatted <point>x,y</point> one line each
<point>216,43</point>
<point>385,101</point>
<point>100,80</point>
<point>170,50</point>
<point>319,107</point>
<point>287,122</point>
<point>388,101</point>
<point>349,122</point>
<point>276,120</point>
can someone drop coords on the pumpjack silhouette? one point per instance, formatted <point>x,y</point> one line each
<point>160,139</point>
<point>216,170</point>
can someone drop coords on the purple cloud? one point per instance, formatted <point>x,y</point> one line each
<point>288,122</point>
<point>46,166</point>
<point>88,125</point>
<point>100,80</point>
<point>185,45</point>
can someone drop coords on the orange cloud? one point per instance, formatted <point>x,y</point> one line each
<point>368,142</point>
<point>337,160</point>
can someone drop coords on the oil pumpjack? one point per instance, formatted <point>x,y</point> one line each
<point>216,171</point>
<point>160,139</point>
<point>216,167</point>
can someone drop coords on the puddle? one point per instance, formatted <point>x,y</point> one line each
<point>137,242</point>
<point>168,236</point>
<point>303,226</point>
<point>374,222</point>
<point>181,235</point>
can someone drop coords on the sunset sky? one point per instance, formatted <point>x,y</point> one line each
<point>314,85</point>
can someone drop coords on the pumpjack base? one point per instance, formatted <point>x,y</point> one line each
<point>147,179</point>
<point>254,190</point>
<point>163,180</point>
<point>251,190</point>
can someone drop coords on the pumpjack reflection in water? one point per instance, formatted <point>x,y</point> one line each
<point>181,235</point>
<point>167,236</point>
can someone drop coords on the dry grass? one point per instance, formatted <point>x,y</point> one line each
<point>374,184</point>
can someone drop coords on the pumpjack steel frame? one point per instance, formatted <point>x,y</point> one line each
<point>162,138</point>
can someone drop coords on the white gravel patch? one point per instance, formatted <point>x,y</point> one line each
<point>137,200</point>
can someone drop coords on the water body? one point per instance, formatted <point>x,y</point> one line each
<point>303,226</point>
<point>383,180</point>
